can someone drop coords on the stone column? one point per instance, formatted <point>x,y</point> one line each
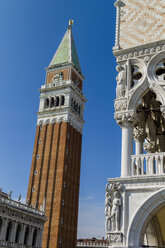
<point>31,231</point>
<point>126,121</point>
<point>22,234</point>
<point>127,150</point>
<point>39,238</point>
<point>13,233</point>
<point>139,136</point>
<point>4,228</point>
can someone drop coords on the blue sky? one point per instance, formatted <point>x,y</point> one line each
<point>31,31</point>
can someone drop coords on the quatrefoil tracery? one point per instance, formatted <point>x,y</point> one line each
<point>160,70</point>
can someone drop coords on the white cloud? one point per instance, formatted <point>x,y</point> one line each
<point>91,219</point>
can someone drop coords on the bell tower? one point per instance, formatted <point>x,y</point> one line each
<point>135,202</point>
<point>55,169</point>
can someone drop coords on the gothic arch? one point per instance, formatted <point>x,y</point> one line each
<point>142,217</point>
<point>152,66</point>
<point>141,91</point>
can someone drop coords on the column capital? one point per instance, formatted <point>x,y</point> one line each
<point>125,119</point>
<point>139,134</point>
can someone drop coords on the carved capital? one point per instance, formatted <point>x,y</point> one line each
<point>139,134</point>
<point>125,119</point>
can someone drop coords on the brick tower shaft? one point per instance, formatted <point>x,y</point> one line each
<point>55,170</point>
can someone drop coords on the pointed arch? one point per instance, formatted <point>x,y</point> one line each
<point>135,99</point>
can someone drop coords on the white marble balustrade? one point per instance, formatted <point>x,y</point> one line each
<point>148,164</point>
<point>92,244</point>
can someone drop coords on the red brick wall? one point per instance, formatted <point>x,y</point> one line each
<point>56,139</point>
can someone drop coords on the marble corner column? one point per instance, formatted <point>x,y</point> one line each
<point>127,149</point>
<point>126,121</point>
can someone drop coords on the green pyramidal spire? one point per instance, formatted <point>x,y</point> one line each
<point>66,52</point>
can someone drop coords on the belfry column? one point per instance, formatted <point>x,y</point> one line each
<point>127,148</point>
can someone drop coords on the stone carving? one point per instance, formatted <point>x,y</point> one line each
<point>120,89</point>
<point>150,147</point>
<point>120,105</point>
<point>9,195</point>
<point>115,238</point>
<point>58,77</point>
<point>126,118</point>
<point>139,133</point>
<point>113,203</point>
<point>19,198</point>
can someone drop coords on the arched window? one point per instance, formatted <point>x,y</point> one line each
<point>8,232</point>
<point>57,101</point>
<point>26,236</point>
<point>47,103</point>
<point>52,102</point>
<point>18,232</point>
<point>62,100</point>
<point>34,240</point>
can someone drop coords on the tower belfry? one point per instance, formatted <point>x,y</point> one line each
<point>135,202</point>
<point>55,170</point>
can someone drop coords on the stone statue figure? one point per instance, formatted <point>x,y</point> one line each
<point>120,89</point>
<point>115,212</point>
<point>113,203</point>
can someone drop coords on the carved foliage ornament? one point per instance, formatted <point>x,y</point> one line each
<point>120,105</point>
<point>126,118</point>
<point>139,133</point>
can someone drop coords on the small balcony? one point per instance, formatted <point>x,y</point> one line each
<point>149,164</point>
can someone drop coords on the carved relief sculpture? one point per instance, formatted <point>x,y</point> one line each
<point>120,89</point>
<point>113,203</point>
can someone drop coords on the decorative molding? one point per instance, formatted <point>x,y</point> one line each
<point>120,105</point>
<point>69,117</point>
<point>125,118</point>
<point>143,51</point>
<point>115,238</point>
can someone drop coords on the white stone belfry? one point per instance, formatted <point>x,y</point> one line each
<point>135,202</point>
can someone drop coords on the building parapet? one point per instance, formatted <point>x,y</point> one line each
<point>21,206</point>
